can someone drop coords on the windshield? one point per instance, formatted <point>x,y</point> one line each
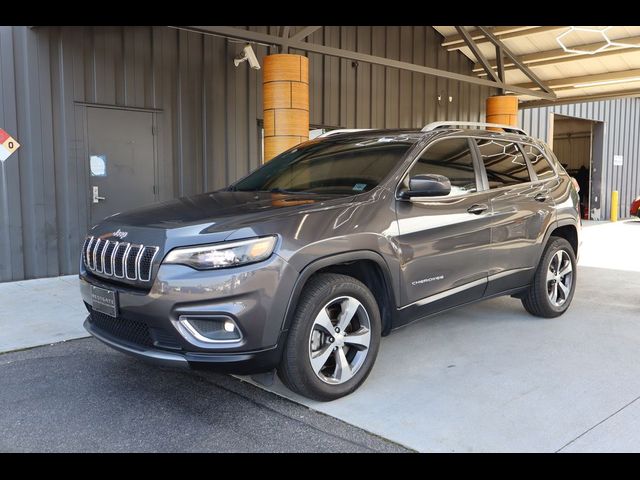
<point>346,166</point>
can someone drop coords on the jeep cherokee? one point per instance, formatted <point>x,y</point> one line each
<point>302,265</point>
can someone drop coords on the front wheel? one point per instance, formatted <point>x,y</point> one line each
<point>554,282</point>
<point>334,338</point>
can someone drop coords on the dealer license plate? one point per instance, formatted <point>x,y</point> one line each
<point>105,301</point>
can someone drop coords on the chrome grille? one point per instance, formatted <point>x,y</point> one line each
<point>118,259</point>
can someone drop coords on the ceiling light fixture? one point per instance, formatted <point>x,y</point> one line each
<point>602,31</point>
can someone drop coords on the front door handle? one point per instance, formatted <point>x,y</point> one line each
<point>541,197</point>
<point>478,208</point>
<point>96,195</point>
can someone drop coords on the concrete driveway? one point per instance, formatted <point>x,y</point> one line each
<point>488,377</point>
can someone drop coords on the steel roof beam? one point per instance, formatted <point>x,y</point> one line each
<point>456,42</point>
<point>284,33</point>
<point>526,70</point>
<point>583,98</point>
<point>304,33</point>
<point>558,55</point>
<point>624,76</point>
<point>274,40</point>
<point>478,54</point>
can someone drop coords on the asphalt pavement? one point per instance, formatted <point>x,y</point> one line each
<point>81,396</point>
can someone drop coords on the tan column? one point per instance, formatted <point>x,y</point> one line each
<point>286,102</point>
<point>502,109</point>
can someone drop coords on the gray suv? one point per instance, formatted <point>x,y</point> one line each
<point>305,263</point>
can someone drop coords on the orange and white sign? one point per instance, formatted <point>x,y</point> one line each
<point>8,145</point>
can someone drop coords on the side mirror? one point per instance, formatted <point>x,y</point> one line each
<point>427,185</point>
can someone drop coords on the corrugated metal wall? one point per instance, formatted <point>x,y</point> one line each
<point>621,119</point>
<point>207,113</point>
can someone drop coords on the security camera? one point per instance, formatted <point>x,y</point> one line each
<point>247,54</point>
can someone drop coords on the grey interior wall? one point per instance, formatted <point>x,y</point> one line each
<point>621,119</point>
<point>207,113</point>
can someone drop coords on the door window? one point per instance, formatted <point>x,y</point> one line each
<point>98,164</point>
<point>452,158</point>
<point>503,162</point>
<point>539,162</point>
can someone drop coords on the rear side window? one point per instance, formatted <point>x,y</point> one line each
<point>449,157</point>
<point>503,162</point>
<point>539,162</point>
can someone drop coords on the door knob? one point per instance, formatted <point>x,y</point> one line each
<point>478,208</point>
<point>96,195</point>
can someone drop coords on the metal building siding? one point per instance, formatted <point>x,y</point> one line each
<point>206,111</point>
<point>621,119</point>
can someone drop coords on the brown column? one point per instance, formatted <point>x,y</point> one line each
<point>502,109</point>
<point>286,102</point>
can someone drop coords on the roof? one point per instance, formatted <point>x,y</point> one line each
<point>576,62</point>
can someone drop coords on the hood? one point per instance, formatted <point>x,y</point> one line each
<point>220,210</point>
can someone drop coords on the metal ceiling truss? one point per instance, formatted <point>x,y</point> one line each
<point>297,42</point>
<point>501,47</point>
<point>594,80</point>
<point>482,60</point>
<point>284,33</point>
<point>634,92</point>
<point>455,42</point>
<point>558,56</point>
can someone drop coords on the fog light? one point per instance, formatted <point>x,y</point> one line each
<point>211,329</point>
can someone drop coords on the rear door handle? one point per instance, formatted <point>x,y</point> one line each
<point>541,197</point>
<point>478,208</point>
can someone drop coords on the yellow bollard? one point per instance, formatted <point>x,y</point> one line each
<point>614,206</point>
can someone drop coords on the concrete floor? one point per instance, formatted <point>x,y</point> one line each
<point>483,378</point>
<point>39,312</point>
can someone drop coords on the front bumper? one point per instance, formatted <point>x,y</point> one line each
<point>238,363</point>
<point>148,323</point>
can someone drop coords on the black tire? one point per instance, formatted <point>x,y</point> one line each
<point>295,369</point>
<point>537,301</point>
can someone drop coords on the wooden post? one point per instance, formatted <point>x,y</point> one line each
<point>286,102</point>
<point>502,109</point>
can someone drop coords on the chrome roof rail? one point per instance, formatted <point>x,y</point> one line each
<point>507,128</point>
<point>341,130</point>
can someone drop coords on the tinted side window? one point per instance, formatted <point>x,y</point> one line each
<point>539,163</point>
<point>452,158</point>
<point>503,162</point>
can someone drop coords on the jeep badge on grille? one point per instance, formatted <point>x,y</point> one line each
<point>120,234</point>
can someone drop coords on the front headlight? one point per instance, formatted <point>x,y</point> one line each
<point>226,254</point>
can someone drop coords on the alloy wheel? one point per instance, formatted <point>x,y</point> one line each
<point>339,340</point>
<point>559,278</point>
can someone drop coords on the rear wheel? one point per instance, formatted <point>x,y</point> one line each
<point>554,283</point>
<point>333,340</point>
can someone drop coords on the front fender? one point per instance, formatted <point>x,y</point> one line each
<point>335,259</point>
